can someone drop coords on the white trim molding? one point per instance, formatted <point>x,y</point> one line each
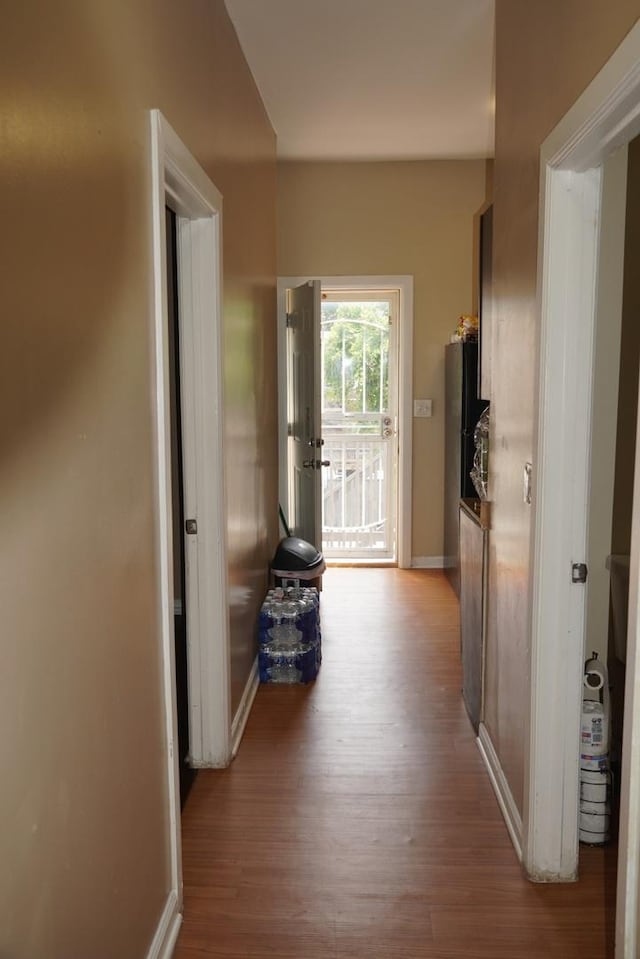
<point>166,934</point>
<point>507,803</point>
<point>163,505</point>
<point>404,284</point>
<point>429,562</point>
<point>244,709</point>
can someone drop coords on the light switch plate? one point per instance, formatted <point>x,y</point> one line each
<point>422,407</point>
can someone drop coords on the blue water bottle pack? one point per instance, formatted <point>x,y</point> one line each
<point>289,636</point>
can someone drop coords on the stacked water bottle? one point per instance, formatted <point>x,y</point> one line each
<point>289,635</point>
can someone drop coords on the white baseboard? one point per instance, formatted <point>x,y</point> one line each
<point>507,803</point>
<point>428,562</point>
<point>164,941</point>
<point>242,713</point>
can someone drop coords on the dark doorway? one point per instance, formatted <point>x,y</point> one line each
<point>187,773</point>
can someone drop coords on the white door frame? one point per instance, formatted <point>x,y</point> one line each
<point>606,116</point>
<point>178,180</point>
<point>404,284</point>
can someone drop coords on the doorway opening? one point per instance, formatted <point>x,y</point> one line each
<point>573,177</point>
<point>186,772</point>
<point>620,512</point>
<point>191,314</point>
<point>359,409</point>
<point>613,504</point>
<point>365,490</point>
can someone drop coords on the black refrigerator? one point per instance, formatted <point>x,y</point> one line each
<point>463,407</point>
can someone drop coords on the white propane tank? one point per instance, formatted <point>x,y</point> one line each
<point>595,778</point>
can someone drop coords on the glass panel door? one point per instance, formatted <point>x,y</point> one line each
<point>359,424</point>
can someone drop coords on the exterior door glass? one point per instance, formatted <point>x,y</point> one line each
<point>359,424</point>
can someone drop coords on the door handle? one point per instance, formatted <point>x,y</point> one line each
<point>315,443</point>
<point>315,464</point>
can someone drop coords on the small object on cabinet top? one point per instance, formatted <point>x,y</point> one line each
<point>467,328</point>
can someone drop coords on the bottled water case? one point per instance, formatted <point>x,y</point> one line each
<point>289,636</point>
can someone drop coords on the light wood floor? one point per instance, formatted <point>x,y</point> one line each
<point>357,821</point>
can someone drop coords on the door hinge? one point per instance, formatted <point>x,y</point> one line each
<point>579,572</point>
<point>289,320</point>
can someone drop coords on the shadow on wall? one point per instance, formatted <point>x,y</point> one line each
<point>67,219</point>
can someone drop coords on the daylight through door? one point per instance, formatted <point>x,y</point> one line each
<point>359,384</point>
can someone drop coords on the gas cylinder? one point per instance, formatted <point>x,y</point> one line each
<point>595,778</point>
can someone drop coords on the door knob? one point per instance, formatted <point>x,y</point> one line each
<point>315,464</point>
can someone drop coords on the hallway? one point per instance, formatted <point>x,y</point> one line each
<point>358,822</point>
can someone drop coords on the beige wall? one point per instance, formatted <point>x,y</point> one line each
<point>82,805</point>
<point>394,218</point>
<point>546,55</point>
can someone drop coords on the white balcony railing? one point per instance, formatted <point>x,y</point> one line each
<point>354,495</point>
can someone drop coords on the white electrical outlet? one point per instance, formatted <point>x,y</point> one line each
<point>423,407</point>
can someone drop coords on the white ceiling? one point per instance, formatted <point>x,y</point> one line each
<point>373,79</point>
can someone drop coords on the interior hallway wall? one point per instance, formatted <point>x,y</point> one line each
<point>83,806</point>
<point>546,55</point>
<point>394,218</point>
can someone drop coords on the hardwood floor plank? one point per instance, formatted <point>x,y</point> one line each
<point>358,822</point>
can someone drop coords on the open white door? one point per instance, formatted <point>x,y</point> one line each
<point>303,412</point>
